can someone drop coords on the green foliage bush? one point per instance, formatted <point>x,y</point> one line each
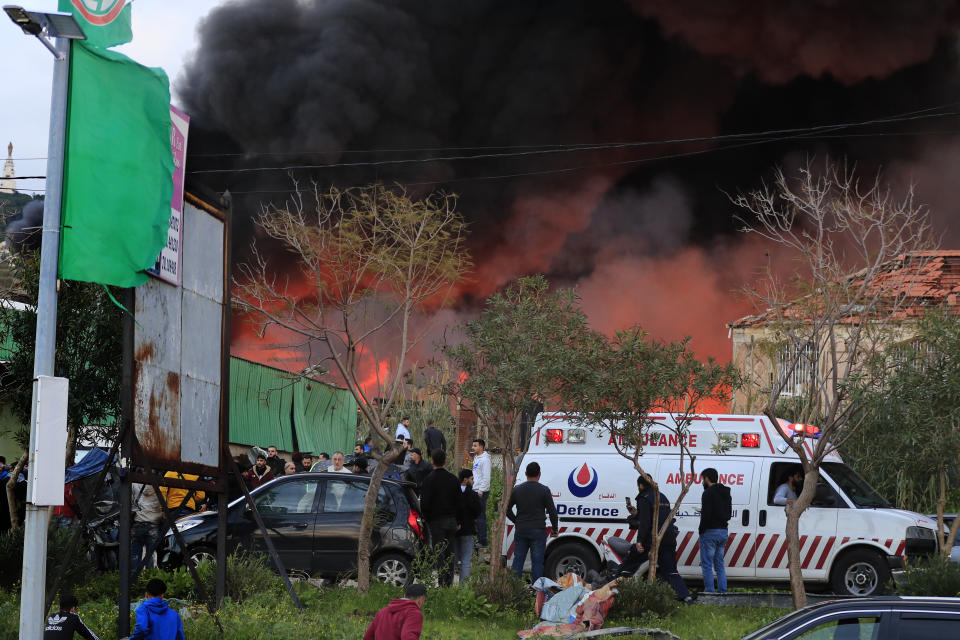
<point>78,571</point>
<point>637,596</point>
<point>936,577</point>
<point>505,592</point>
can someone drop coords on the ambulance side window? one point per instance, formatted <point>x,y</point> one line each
<point>825,495</point>
<point>778,475</point>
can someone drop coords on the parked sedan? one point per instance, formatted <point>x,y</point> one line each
<point>884,618</point>
<point>313,520</point>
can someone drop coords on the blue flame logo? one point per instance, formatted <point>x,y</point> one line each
<point>582,481</point>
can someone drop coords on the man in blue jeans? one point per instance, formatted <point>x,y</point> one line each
<point>533,504</point>
<point>715,513</point>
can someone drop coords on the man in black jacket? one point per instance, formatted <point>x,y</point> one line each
<point>470,509</point>
<point>641,519</point>
<point>434,439</point>
<point>63,624</point>
<point>533,503</point>
<point>441,505</point>
<point>715,513</point>
<point>418,470</point>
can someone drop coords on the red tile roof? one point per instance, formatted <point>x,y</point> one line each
<point>918,280</point>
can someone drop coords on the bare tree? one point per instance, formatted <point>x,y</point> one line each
<point>368,259</point>
<point>857,247</point>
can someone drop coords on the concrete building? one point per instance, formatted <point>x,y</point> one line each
<point>8,184</point>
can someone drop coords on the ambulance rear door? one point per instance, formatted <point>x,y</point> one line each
<point>739,474</point>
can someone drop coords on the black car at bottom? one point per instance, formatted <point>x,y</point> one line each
<point>883,618</point>
<point>313,520</point>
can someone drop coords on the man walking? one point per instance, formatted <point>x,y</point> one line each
<point>469,510</point>
<point>147,517</point>
<point>481,485</point>
<point>715,510</point>
<point>258,474</point>
<point>440,503</point>
<point>155,619</point>
<point>533,504</point>
<point>418,470</point>
<point>402,619</point>
<point>434,439</point>
<point>641,519</point>
<point>275,462</point>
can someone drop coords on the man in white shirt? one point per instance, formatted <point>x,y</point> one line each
<point>403,429</point>
<point>337,466</point>
<point>787,492</point>
<point>481,484</point>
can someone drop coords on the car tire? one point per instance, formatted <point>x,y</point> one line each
<point>392,568</point>
<point>860,573</point>
<point>570,557</point>
<point>202,553</point>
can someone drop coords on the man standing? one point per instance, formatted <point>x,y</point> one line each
<point>322,463</point>
<point>787,492</point>
<point>63,624</point>
<point>434,439</point>
<point>533,504</point>
<point>147,516</point>
<point>275,462</point>
<point>258,474</point>
<point>155,619</point>
<point>403,429</point>
<point>337,465</point>
<point>402,619</point>
<point>418,470</point>
<point>306,461</point>
<point>481,484</point>
<point>440,503</point>
<point>469,510</point>
<point>715,510</point>
<point>641,519</point>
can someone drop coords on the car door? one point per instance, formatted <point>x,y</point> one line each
<point>853,625</point>
<point>337,532</point>
<point>289,511</point>
<point>738,475</point>
<point>926,624</point>
<point>818,530</point>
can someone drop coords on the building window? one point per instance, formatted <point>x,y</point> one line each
<point>796,368</point>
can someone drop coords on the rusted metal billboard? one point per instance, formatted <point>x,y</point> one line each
<point>179,350</point>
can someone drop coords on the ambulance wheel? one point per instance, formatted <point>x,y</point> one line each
<point>860,573</point>
<point>570,557</point>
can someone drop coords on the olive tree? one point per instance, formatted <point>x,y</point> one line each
<point>367,260</point>
<point>519,354</point>
<point>631,384</point>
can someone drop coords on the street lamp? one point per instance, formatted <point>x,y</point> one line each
<point>45,25</point>
<point>62,28</point>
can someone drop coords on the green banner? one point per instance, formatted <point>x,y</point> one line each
<point>118,169</point>
<point>106,23</point>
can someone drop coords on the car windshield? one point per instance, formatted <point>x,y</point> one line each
<point>855,487</point>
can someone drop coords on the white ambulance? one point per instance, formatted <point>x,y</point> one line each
<point>851,538</point>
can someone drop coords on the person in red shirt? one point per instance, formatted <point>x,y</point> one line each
<point>402,619</point>
<point>258,474</point>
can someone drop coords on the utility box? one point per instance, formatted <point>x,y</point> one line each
<point>47,460</point>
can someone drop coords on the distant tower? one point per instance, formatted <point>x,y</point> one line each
<point>8,184</point>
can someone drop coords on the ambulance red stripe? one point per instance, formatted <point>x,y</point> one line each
<point>899,551</point>
<point>743,543</point>
<point>766,553</point>
<point>810,552</point>
<point>693,554</point>
<point>753,549</point>
<point>769,441</point>
<point>826,552</point>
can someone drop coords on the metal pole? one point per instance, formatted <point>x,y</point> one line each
<point>37,517</point>
<point>126,452</point>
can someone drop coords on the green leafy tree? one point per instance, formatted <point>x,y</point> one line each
<point>369,259</point>
<point>88,353</point>
<point>630,378</point>
<point>520,353</point>
<point>910,441</point>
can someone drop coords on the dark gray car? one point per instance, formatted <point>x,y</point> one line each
<point>313,520</point>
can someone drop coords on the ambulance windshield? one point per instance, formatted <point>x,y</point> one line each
<point>856,488</point>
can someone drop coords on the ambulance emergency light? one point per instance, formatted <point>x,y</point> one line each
<point>805,430</point>
<point>574,436</point>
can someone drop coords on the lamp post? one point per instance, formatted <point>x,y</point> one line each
<point>62,28</point>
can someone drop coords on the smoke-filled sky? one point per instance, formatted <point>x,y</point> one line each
<point>645,231</point>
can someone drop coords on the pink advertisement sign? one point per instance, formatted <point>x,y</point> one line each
<point>168,262</point>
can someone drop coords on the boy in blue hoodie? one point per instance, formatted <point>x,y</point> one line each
<point>155,619</point>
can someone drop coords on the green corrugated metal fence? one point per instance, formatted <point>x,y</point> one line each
<point>267,404</point>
